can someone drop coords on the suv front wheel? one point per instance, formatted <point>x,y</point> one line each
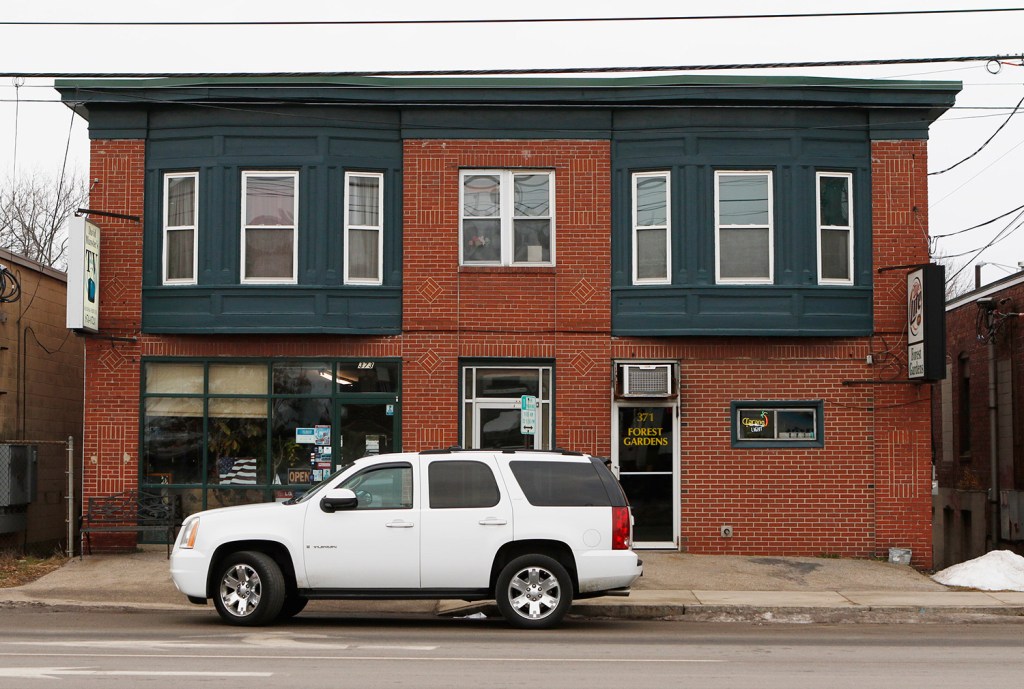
<point>533,592</point>
<point>250,589</point>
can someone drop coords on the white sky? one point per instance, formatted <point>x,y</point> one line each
<point>986,186</point>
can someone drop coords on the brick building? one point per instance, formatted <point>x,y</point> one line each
<point>41,383</point>
<point>681,273</point>
<point>979,505</point>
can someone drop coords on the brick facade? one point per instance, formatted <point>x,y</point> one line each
<point>867,490</point>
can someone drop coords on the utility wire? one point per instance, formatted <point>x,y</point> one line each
<point>987,141</point>
<point>1005,232</point>
<point>517,72</point>
<point>975,227</point>
<point>533,20</point>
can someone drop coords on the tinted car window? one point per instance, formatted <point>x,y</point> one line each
<point>560,484</point>
<point>382,488</point>
<point>462,484</point>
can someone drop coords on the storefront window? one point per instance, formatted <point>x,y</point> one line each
<point>232,432</point>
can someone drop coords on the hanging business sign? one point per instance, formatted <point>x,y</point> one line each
<point>83,298</point>
<point>926,323</point>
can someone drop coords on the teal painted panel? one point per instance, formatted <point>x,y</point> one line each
<point>746,311</point>
<point>271,146</point>
<point>269,309</point>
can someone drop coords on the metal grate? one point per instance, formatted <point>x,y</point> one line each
<point>17,474</point>
<point>647,380</point>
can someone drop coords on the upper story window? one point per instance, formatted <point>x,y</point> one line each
<point>835,228</point>
<point>507,217</point>
<point>364,229</point>
<point>652,242</point>
<point>180,236</point>
<point>744,227</point>
<point>270,209</point>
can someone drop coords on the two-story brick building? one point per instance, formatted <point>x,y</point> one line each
<point>683,274</point>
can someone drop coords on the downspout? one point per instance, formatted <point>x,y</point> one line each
<point>993,447</point>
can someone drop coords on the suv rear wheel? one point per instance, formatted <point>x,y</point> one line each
<point>250,589</point>
<point>533,592</point>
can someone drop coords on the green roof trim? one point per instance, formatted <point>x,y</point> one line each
<point>515,82</point>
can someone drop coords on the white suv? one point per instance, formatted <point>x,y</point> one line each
<point>532,530</point>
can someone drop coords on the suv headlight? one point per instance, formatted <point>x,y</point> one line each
<point>189,532</point>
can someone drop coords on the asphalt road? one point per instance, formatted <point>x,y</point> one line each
<point>114,650</point>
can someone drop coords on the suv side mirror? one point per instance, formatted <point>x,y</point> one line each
<point>339,499</point>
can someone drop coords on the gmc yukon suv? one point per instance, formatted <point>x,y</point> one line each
<point>531,530</point>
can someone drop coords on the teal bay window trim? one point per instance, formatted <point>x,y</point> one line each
<point>270,223</point>
<point>777,423</point>
<point>652,227</point>
<point>834,210</point>
<point>180,234</point>
<point>364,228</point>
<point>744,227</point>
<point>506,217</point>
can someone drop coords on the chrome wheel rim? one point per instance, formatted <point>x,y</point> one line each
<point>241,590</point>
<point>534,593</point>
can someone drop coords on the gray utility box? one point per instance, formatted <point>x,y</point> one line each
<point>17,485</point>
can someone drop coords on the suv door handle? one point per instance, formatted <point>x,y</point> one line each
<point>492,521</point>
<point>399,524</point>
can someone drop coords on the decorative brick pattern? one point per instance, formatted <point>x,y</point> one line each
<point>865,491</point>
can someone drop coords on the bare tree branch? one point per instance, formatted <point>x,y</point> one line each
<point>33,213</point>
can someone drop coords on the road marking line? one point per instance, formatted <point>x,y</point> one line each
<point>481,659</point>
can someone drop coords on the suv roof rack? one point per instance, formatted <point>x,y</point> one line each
<point>504,450</point>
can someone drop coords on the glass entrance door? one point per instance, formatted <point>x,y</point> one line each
<point>646,457</point>
<point>364,430</point>
<point>497,426</point>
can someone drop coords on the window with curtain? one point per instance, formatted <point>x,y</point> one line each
<point>364,229</point>
<point>180,227</point>
<point>835,228</point>
<point>270,203</point>
<point>507,217</point>
<point>652,243</point>
<point>744,227</point>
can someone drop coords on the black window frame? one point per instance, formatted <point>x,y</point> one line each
<point>774,406</point>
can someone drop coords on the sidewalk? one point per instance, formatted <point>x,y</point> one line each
<point>674,586</point>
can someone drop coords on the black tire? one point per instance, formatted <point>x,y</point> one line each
<point>249,590</point>
<point>293,605</point>
<point>533,592</point>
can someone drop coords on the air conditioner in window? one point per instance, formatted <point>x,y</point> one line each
<point>646,380</point>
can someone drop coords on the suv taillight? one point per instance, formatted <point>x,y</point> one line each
<point>620,528</point>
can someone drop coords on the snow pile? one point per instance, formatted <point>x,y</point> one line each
<point>999,570</point>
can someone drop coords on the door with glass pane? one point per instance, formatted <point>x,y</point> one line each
<point>492,403</point>
<point>364,430</point>
<point>497,426</point>
<point>645,457</point>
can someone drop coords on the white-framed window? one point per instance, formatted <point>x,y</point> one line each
<point>506,217</point>
<point>652,236</point>
<point>181,236</point>
<point>835,228</point>
<point>492,406</point>
<point>270,237</point>
<point>364,228</point>
<point>744,241</point>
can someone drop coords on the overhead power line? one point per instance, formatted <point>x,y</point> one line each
<point>532,20</point>
<point>987,141</point>
<point>979,225</point>
<point>516,72</point>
